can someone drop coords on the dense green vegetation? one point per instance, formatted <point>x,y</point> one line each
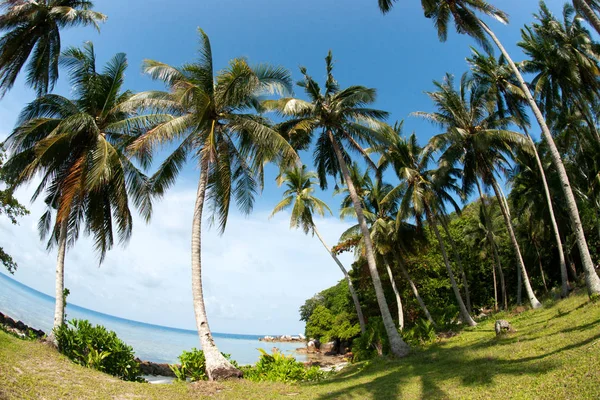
<point>435,234</point>
<point>553,354</point>
<point>94,346</point>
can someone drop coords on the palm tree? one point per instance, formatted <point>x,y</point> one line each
<point>477,139</point>
<point>379,219</point>
<point>210,118</point>
<point>77,147</point>
<point>504,91</point>
<point>463,12</point>
<point>423,194</point>
<point>32,32</point>
<point>588,8</point>
<point>299,196</point>
<point>341,117</point>
<point>478,235</point>
<point>564,60</point>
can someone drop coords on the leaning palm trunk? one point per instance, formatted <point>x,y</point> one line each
<point>397,294</point>
<point>564,291</point>
<point>465,316</point>
<point>592,280</point>
<point>519,286</point>
<point>414,289</point>
<point>539,257</point>
<point>217,366</point>
<point>59,293</point>
<point>490,240</point>
<point>460,265</point>
<point>588,12</point>
<point>495,287</point>
<point>361,318</point>
<point>505,213</point>
<point>397,346</point>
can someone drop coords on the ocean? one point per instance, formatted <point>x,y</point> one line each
<point>155,343</point>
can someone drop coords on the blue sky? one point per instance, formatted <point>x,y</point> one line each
<point>258,273</point>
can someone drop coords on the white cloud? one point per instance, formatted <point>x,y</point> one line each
<point>255,276</point>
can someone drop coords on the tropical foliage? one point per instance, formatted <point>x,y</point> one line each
<point>94,346</point>
<point>434,231</point>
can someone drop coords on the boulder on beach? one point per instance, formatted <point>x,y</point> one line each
<point>329,348</point>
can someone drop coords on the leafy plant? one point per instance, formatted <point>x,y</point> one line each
<point>373,342</point>
<point>98,348</point>
<point>422,332</point>
<point>278,367</point>
<point>193,365</point>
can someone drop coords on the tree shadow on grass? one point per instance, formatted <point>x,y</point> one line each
<point>423,374</point>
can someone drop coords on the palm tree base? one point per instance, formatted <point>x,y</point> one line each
<point>224,371</point>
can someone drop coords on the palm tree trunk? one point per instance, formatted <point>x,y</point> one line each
<point>539,257</point>
<point>404,272</point>
<point>217,366</point>
<point>465,316</point>
<point>359,313</point>
<point>397,294</point>
<point>460,265</point>
<point>592,280</point>
<point>532,299</point>
<point>495,287</point>
<point>588,12</point>
<point>564,292</point>
<point>519,286</point>
<point>397,346</point>
<point>59,296</point>
<point>490,240</point>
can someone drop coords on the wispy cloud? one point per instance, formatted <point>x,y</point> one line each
<point>256,275</point>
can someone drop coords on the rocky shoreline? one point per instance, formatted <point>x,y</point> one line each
<point>325,360</point>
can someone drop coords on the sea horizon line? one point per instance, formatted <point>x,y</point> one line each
<point>127,320</point>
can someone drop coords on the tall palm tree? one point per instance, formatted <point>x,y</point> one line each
<point>32,32</point>
<point>379,217</point>
<point>564,60</point>
<point>588,8</point>
<point>77,147</point>
<point>480,234</point>
<point>300,196</point>
<point>504,91</point>
<point>424,194</point>
<point>341,118</point>
<point>210,118</point>
<point>464,14</point>
<point>476,138</point>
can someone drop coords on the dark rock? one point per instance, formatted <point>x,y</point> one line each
<point>503,326</point>
<point>150,368</point>
<point>311,346</point>
<point>329,348</point>
<point>1,318</point>
<point>21,326</point>
<point>8,321</point>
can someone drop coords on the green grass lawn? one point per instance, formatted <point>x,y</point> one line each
<point>555,354</point>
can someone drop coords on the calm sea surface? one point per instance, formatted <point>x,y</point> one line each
<point>150,342</point>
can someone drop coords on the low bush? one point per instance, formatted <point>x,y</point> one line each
<point>423,332</point>
<point>193,366</point>
<point>372,343</point>
<point>278,367</point>
<point>98,348</point>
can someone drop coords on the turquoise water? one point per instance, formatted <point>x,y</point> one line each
<point>150,342</point>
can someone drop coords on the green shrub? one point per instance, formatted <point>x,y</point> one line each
<point>193,366</point>
<point>373,342</point>
<point>98,348</point>
<point>423,332</point>
<point>278,367</point>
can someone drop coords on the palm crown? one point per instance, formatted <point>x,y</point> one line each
<point>32,31</point>
<point>210,119</point>
<point>77,147</point>
<point>299,196</point>
<point>341,112</point>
